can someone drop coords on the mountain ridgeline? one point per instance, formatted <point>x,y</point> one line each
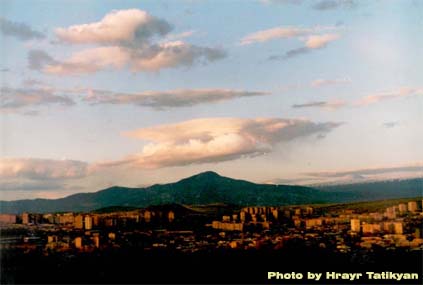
<point>209,188</point>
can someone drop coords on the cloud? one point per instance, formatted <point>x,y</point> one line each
<point>31,186</point>
<point>175,37</point>
<point>322,5</point>
<point>37,59</point>
<point>317,35</point>
<point>368,171</point>
<point>37,94</point>
<point>312,42</point>
<point>174,54</point>
<point>151,59</point>
<point>356,175</point>
<point>88,61</point>
<point>390,125</point>
<point>290,181</point>
<point>14,99</point>
<point>20,31</point>
<point>118,27</point>
<point>42,169</point>
<point>32,82</point>
<point>313,39</point>
<point>125,39</point>
<point>168,99</point>
<point>31,113</point>
<point>320,41</point>
<point>389,95</point>
<point>334,4</point>
<point>292,2</point>
<point>31,175</point>
<point>404,92</point>
<point>321,104</point>
<point>275,33</point>
<point>291,53</point>
<point>215,140</point>
<point>327,82</point>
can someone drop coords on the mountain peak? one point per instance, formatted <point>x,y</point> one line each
<point>203,176</point>
<point>208,174</point>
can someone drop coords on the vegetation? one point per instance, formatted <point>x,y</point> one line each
<point>210,188</point>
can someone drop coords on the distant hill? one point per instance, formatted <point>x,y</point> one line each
<point>210,188</point>
<point>370,191</point>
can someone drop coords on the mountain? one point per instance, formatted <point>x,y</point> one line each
<point>371,191</point>
<point>202,189</point>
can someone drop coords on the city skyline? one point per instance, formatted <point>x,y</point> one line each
<point>136,93</point>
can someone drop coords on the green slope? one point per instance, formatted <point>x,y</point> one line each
<point>210,188</point>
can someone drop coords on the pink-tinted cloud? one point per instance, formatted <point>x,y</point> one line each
<point>150,59</point>
<point>389,95</point>
<point>121,26</point>
<point>17,99</point>
<point>314,38</point>
<point>320,41</point>
<point>215,140</point>
<point>89,61</point>
<point>328,82</point>
<point>130,39</point>
<point>275,33</point>
<point>416,168</point>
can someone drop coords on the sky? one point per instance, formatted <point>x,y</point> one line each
<point>134,93</point>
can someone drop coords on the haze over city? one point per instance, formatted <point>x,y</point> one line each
<point>127,93</point>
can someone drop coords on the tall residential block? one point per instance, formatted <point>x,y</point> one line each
<point>355,225</point>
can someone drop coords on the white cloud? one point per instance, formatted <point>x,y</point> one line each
<point>170,98</point>
<point>121,26</point>
<point>215,139</point>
